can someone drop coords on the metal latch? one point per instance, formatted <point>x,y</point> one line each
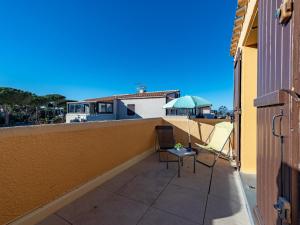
<point>283,208</point>
<point>273,124</point>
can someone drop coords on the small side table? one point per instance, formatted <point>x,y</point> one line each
<point>183,152</point>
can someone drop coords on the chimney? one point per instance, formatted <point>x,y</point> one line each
<point>141,89</point>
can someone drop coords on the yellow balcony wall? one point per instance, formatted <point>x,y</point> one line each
<point>248,116</point>
<point>39,164</point>
<point>43,168</point>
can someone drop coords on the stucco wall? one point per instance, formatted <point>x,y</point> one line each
<point>144,108</point>
<point>249,114</point>
<point>41,163</point>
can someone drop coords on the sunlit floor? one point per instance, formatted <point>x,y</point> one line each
<point>249,183</point>
<point>149,194</point>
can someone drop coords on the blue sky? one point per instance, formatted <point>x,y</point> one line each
<point>86,48</point>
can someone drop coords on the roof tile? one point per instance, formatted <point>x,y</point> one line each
<point>155,94</point>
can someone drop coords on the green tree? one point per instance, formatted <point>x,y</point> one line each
<point>23,106</point>
<point>11,97</point>
<point>222,111</point>
<point>57,99</point>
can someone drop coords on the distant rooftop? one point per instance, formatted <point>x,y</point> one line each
<point>154,94</point>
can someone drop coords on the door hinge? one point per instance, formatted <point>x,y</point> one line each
<point>293,94</point>
<point>283,208</point>
<point>238,111</point>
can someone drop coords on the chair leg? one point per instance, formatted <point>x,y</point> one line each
<point>178,166</point>
<point>167,161</point>
<point>216,158</point>
<point>203,163</point>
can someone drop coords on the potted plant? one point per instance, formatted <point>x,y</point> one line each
<point>178,146</point>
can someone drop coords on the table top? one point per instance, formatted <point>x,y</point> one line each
<point>181,152</point>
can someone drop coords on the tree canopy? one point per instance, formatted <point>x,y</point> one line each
<point>12,96</point>
<point>222,111</point>
<point>18,106</point>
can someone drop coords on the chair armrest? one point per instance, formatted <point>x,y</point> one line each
<point>206,147</point>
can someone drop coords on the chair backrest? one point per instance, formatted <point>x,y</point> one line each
<point>165,136</point>
<point>220,135</point>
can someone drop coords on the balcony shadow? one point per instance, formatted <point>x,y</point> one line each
<point>123,112</point>
<point>224,202</point>
<point>200,132</point>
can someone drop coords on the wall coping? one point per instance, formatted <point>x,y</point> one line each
<point>67,127</point>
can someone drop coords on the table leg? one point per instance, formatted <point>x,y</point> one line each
<point>194,164</point>
<point>182,161</point>
<point>178,166</point>
<point>167,160</point>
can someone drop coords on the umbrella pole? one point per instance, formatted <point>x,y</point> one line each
<point>188,121</point>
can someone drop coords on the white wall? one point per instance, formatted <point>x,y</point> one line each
<point>144,108</point>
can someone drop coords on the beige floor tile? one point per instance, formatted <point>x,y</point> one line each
<point>115,210</point>
<point>221,212</point>
<point>226,185</point>
<point>125,199</point>
<point>158,217</point>
<point>54,220</point>
<point>196,181</point>
<point>184,202</point>
<point>85,204</point>
<point>118,181</point>
<point>146,187</point>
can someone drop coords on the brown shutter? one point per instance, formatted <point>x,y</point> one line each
<point>237,106</point>
<point>277,157</point>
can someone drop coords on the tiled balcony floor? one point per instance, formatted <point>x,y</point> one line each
<point>149,194</point>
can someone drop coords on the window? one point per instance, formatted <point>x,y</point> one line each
<point>79,108</point>
<point>106,108</point>
<point>71,108</point>
<point>131,109</point>
<point>86,108</point>
<point>93,108</point>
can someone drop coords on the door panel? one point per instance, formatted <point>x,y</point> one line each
<point>237,107</point>
<point>275,76</point>
<point>270,184</point>
<point>295,117</point>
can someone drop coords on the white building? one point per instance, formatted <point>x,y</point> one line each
<point>130,106</point>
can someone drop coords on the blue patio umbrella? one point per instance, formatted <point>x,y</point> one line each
<point>187,102</point>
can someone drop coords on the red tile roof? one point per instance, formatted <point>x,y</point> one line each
<point>155,94</point>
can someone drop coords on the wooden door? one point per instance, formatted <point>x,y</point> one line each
<point>237,107</point>
<point>278,116</point>
<point>295,112</point>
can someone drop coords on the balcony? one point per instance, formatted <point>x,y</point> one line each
<point>108,173</point>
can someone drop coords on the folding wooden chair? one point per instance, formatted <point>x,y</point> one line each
<point>218,139</point>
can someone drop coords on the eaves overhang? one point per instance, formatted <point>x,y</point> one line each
<point>238,25</point>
